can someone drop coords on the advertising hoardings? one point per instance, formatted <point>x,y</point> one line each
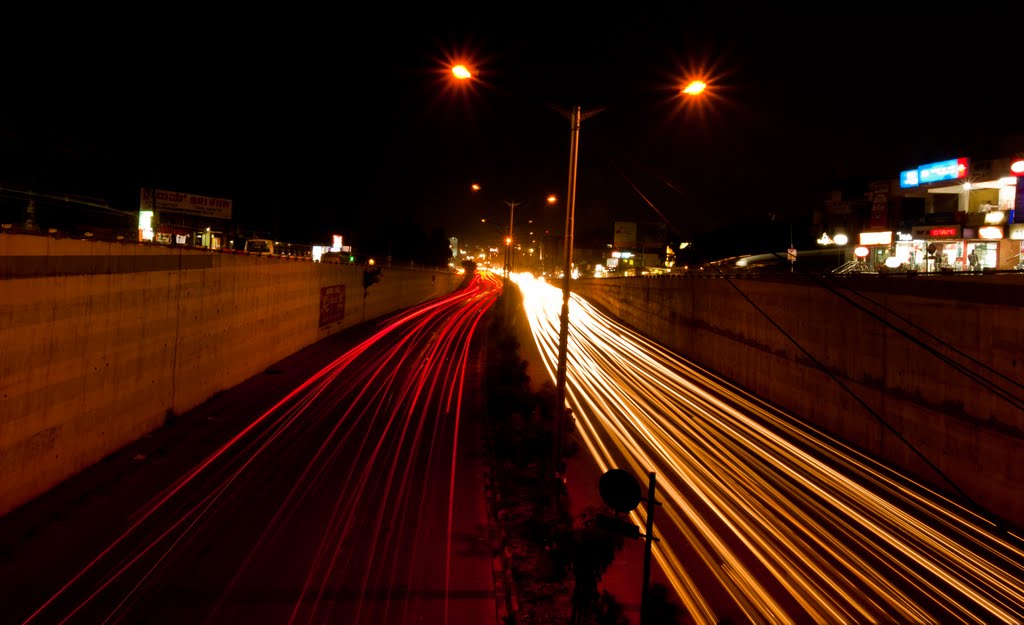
<point>162,200</point>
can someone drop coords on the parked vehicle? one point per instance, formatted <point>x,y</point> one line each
<point>260,246</point>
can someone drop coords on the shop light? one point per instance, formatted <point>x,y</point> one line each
<point>878,238</point>
<point>990,232</point>
<point>860,251</point>
<point>146,225</point>
<point>841,239</point>
<point>994,217</point>
<point>1017,167</point>
<point>892,262</point>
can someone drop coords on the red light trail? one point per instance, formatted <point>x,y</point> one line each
<point>345,489</point>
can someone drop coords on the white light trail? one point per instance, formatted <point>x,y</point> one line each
<point>780,523</point>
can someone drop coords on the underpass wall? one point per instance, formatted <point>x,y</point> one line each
<point>101,342</point>
<point>924,373</point>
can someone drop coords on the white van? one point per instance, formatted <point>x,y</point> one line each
<point>260,246</point>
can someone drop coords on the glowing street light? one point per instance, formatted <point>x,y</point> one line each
<point>692,89</point>
<point>695,87</point>
<point>560,414</point>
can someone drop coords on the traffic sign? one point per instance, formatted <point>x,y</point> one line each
<point>620,490</point>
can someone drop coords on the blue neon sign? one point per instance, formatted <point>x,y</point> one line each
<point>944,170</point>
<point>934,172</point>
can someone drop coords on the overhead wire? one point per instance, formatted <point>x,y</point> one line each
<point>970,373</point>
<point>820,366</point>
<point>974,375</point>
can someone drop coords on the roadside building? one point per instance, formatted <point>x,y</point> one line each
<point>934,216</point>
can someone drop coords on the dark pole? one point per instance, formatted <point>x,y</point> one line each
<point>648,541</point>
<point>511,236</point>
<point>563,328</point>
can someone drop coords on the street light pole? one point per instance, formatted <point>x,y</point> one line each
<point>509,250</point>
<point>461,72</point>
<point>560,413</point>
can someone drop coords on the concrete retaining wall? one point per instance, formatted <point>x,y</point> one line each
<point>100,342</point>
<point>890,364</point>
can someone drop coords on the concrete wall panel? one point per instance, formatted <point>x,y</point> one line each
<point>922,373</point>
<point>102,341</point>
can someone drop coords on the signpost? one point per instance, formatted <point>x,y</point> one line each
<point>621,492</point>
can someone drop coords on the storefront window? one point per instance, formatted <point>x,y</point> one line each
<point>911,254</point>
<point>987,255</point>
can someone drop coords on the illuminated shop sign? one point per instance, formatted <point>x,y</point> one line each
<point>952,169</point>
<point>995,218</point>
<point>946,170</point>
<point>936,232</point>
<point>904,236</point>
<point>876,238</point>
<point>990,232</point>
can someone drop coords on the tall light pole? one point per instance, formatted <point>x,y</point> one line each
<point>509,240</point>
<point>561,413</point>
<point>462,74</point>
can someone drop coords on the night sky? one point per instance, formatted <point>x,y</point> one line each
<point>347,121</point>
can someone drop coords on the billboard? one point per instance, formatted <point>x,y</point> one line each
<point>879,205</point>
<point>625,234</point>
<point>951,169</point>
<point>332,304</point>
<point>174,202</point>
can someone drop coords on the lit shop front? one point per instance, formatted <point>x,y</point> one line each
<point>174,218</point>
<point>932,248</point>
<point>966,221</point>
<point>874,249</point>
<point>1016,234</point>
<point>929,249</point>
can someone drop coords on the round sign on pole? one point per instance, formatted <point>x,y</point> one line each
<point>620,490</point>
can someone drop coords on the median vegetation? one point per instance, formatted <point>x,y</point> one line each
<point>553,562</point>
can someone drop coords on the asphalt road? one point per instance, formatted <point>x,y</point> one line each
<point>342,485</point>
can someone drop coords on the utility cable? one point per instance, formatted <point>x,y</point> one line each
<point>856,397</point>
<point>970,373</point>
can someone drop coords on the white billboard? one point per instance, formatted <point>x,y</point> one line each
<point>175,202</point>
<point>625,234</point>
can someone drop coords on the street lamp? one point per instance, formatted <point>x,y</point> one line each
<point>561,412</point>
<point>509,250</point>
<point>560,415</point>
<point>693,88</point>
